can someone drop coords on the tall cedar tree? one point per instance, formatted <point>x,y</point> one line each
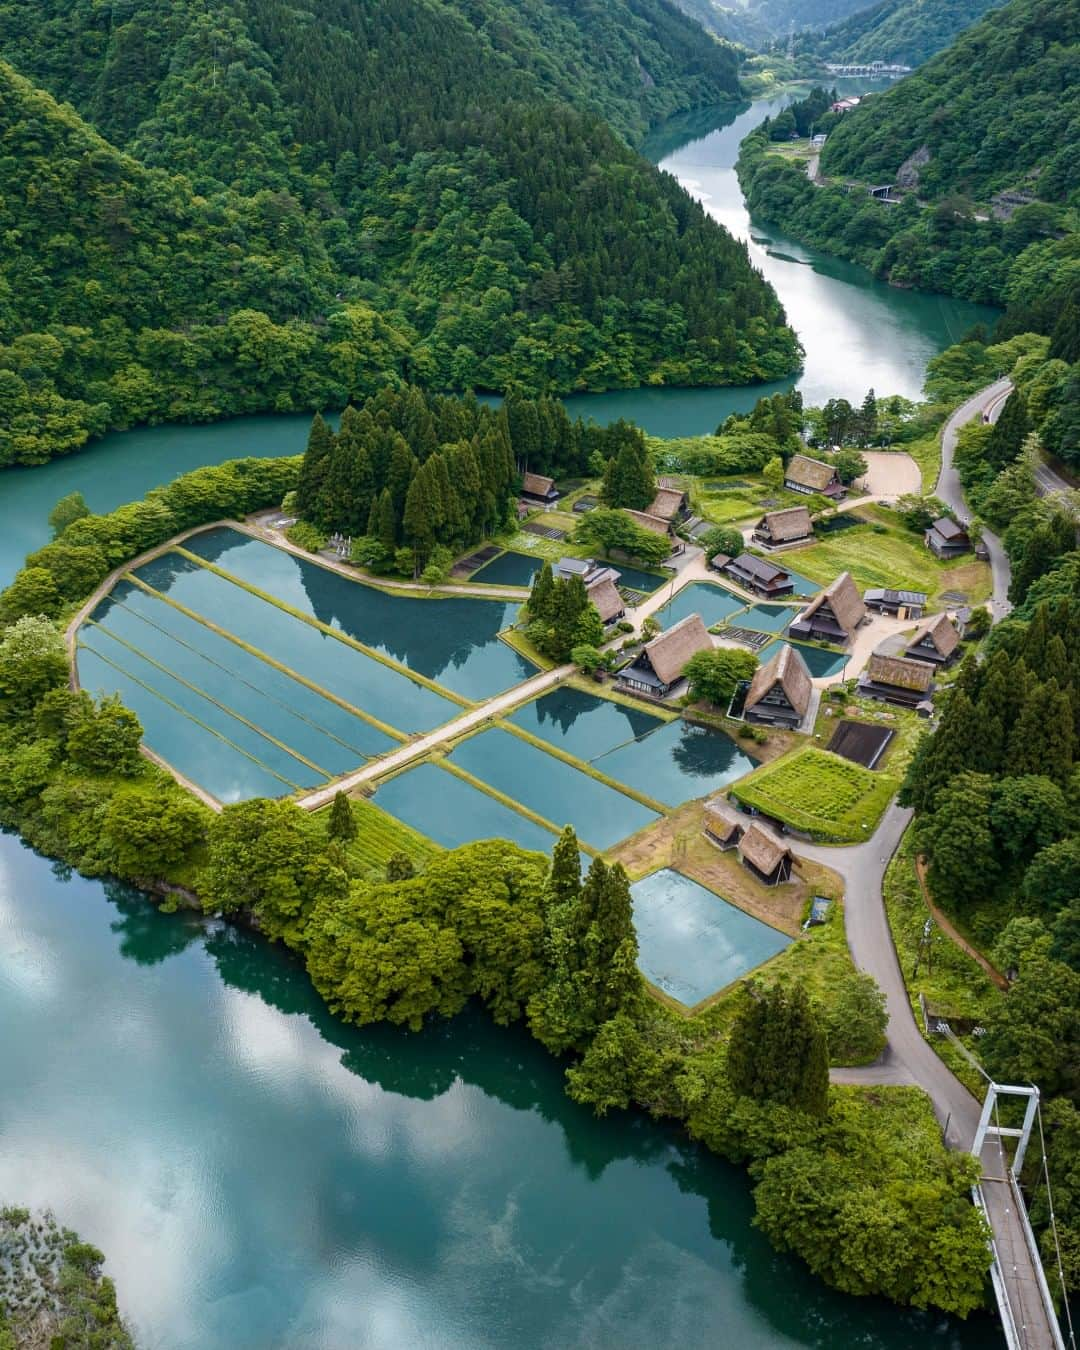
<point>777,1051</point>
<point>1007,437</point>
<point>342,822</point>
<point>591,949</point>
<point>314,468</point>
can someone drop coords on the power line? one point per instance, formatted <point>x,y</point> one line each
<point>1054,1231</point>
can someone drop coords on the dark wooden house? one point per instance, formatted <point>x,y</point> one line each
<point>757,575</point>
<point>659,667</point>
<point>834,613</point>
<point>899,604</point>
<point>779,694</point>
<point>536,490</point>
<point>946,539</point>
<point>936,640</point>
<point>898,680</point>
<point>723,827</point>
<point>669,505</point>
<point>604,594</point>
<point>764,857</point>
<point>644,521</point>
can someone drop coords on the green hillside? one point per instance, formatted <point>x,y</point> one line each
<point>981,143</point>
<point>278,207</point>
<point>997,110</point>
<point>900,32</point>
<point>362,71</point>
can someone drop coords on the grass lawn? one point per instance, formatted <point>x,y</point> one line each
<point>515,637</point>
<point>926,452</point>
<point>378,836</point>
<point>828,797</point>
<point>896,558</point>
<point>952,982</point>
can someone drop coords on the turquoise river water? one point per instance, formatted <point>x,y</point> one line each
<point>261,1176</point>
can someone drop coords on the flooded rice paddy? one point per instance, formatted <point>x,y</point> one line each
<point>691,943</point>
<point>670,761</point>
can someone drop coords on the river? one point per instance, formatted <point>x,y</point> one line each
<point>261,1176</point>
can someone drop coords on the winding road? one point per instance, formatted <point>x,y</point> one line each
<point>908,1058</point>
<point>987,402</point>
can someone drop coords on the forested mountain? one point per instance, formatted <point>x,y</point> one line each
<point>268,206</point>
<point>998,110</point>
<point>781,15</point>
<point>981,142</point>
<point>901,32</point>
<point>731,22</point>
<point>358,74</point>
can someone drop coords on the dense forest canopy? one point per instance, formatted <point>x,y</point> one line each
<point>255,206</point>
<point>901,32</point>
<point>980,144</point>
<point>997,110</point>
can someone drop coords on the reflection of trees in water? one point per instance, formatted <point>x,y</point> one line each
<point>508,1066</point>
<point>796,1303</point>
<point>702,753</point>
<point>427,635</point>
<point>563,707</point>
<point>503,1062</point>
<point>147,936</point>
<point>214,544</point>
<point>161,573</point>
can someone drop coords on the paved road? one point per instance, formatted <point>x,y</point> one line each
<point>1047,480</point>
<point>908,1058</point>
<point>989,401</point>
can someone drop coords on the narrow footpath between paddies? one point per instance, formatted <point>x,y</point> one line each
<point>423,745</point>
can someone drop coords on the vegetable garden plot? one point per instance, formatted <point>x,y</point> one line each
<point>819,793</point>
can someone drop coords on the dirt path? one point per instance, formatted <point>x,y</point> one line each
<point>423,745</point>
<point>948,928</point>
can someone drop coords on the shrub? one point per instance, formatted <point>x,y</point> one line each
<point>306,536</point>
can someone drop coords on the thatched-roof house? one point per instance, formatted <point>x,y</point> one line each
<point>808,475</point>
<point>604,594</point>
<point>646,522</point>
<point>669,504</point>
<point>899,680</point>
<point>946,539</point>
<point>834,613</point>
<point>898,604</point>
<point>936,640</point>
<point>659,667</point>
<point>536,490</point>
<point>780,692</point>
<point>761,855</point>
<point>654,525</point>
<point>792,526</point>
<point>757,575</point>
<point>723,827</point>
